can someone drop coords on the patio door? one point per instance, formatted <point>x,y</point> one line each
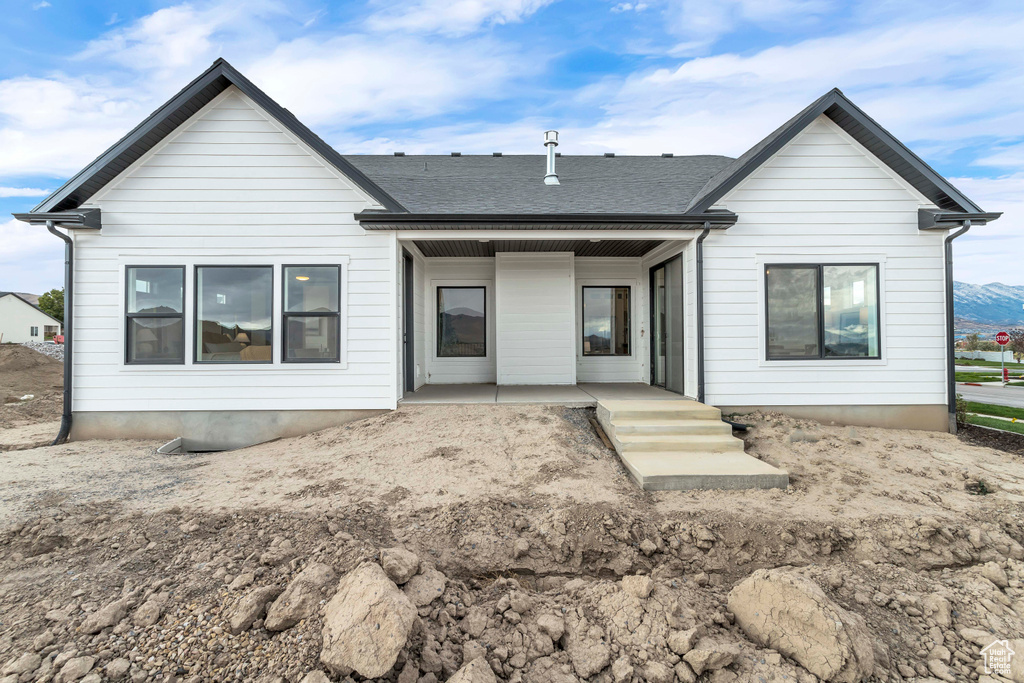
<point>667,325</point>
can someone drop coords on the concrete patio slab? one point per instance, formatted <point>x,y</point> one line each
<point>453,393</point>
<point>571,396</point>
<point>627,391</point>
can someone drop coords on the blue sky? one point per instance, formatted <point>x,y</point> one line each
<point>476,76</point>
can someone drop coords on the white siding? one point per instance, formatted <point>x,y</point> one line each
<point>231,186</point>
<point>612,272</point>
<point>824,199</point>
<point>17,319</point>
<point>536,322</point>
<point>459,272</point>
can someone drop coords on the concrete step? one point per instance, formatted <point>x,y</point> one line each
<point>648,410</point>
<point>655,471</point>
<point>662,426</point>
<point>681,443</point>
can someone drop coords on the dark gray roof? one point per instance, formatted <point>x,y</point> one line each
<point>514,184</point>
<point>630,185</point>
<point>863,129</point>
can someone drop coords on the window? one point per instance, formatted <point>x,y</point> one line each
<point>822,311</point>
<point>606,321</point>
<point>234,314</point>
<point>33,331</point>
<point>311,314</point>
<point>154,310</point>
<point>461,322</point>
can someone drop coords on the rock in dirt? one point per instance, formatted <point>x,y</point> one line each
<point>994,573</point>
<point>151,610</point>
<point>24,664</point>
<point>790,613</point>
<point>399,564</point>
<point>640,586</point>
<point>682,642</point>
<point>424,588</point>
<point>367,623</point>
<point>300,599</point>
<point>76,668</point>
<point>251,607</point>
<point>551,625</point>
<point>315,677</point>
<point>709,655</point>
<point>109,615</point>
<point>477,671</point>
<point>117,668</point>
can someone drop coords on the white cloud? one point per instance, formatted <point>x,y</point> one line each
<point>990,253</point>
<point>412,78</point>
<point>23,192</point>
<point>452,17</point>
<point>629,7</point>
<point>31,259</point>
<point>701,22</point>
<point>41,5</point>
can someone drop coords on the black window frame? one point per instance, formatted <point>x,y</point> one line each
<point>821,311</point>
<point>196,360</point>
<point>285,314</point>
<point>437,328</point>
<point>129,316</point>
<point>629,321</point>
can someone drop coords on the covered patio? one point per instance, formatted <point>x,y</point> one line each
<point>575,396</point>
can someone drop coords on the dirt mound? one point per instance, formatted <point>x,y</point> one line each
<point>27,372</point>
<point>165,591</point>
<point>17,358</point>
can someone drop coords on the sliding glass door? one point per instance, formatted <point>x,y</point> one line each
<point>667,325</point>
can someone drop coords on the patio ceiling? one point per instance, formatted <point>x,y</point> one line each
<point>471,247</point>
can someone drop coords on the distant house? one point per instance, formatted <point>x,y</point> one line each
<point>21,322</point>
<point>233,272</point>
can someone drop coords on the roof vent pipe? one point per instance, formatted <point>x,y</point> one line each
<point>551,141</point>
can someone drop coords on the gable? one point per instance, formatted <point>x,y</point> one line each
<point>862,128</point>
<point>193,97</point>
<point>13,300</point>
<point>824,164</point>
<point>231,156</point>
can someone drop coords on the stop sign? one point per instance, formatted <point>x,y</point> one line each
<point>1003,338</point>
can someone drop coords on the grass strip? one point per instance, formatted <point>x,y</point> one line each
<point>998,411</point>
<point>992,422</point>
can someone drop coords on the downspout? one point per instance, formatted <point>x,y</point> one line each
<point>950,332</point>
<point>700,311</point>
<point>69,282</point>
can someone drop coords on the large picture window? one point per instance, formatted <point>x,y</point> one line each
<point>606,327</point>
<point>234,317</point>
<point>822,311</point>
<point>461,322</point>
<point>311,314</point>
<point>154,311</point>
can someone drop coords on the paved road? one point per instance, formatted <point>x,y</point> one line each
<point>1000,396</point>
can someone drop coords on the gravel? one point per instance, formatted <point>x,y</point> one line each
<point>55,351</point>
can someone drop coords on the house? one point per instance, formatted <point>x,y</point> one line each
<point>21,321</point>
<point>236,277</point>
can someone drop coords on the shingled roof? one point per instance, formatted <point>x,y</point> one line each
<point>513,184</point>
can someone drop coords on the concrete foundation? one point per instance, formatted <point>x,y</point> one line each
<point>210,430</point>
<point>931,418</point>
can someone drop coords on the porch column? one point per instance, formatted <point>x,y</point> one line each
<point>536,317</point>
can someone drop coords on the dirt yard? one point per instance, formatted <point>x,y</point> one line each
<point>532,557</point>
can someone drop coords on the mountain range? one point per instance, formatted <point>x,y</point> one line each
<point>991,304</point>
